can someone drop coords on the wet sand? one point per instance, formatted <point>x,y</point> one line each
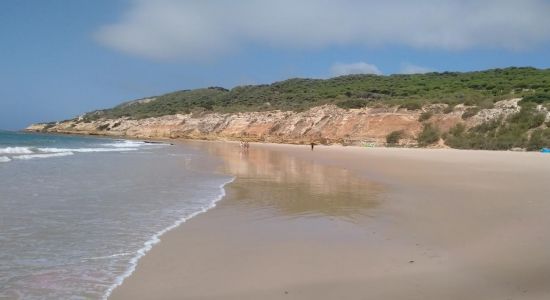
<point>358,223</point>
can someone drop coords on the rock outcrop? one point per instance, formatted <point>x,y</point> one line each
<point>325,124</point>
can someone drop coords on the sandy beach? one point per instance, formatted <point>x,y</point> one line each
<point>360,223</point>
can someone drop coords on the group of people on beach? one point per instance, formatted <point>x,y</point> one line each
<point>245,146</point>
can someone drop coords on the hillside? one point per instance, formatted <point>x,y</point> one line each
<point>481,89</point>
<point>462,110</point>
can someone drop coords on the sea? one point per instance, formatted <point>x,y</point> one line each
<point>77,213</point>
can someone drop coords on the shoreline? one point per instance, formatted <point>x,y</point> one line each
<point>237,140</point>
<point>414,238</point>
<point>229,186</point>
<point>156,238</point>
<point>108,208</point>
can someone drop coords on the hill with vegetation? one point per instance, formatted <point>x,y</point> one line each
<point>480,89</point>
<point>431,96</point>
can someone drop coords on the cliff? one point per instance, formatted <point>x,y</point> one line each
<point>325,124</point>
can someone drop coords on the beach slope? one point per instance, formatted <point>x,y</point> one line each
<point>357,223</point>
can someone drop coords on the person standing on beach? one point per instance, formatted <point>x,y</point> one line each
<point>312,145</point>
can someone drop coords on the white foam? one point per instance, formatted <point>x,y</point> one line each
<point>84,150</point>
<point>125,144</point>
<point>48,155</point>
<point>132,144</point>
<point>16,150</point>
<point>109,256</point>
<point>155,239</point>
<point>25,153</point>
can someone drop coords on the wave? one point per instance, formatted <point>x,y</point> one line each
<point>155,239</point>
<point>48,155</point>
<point>133,144</point>
<point>84,150</point>
<point>16,150</point>
<point>125,144</point>
<point>25,153</point>
<point>108,256</point>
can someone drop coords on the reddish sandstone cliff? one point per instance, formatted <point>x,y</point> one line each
<point>325,124</point>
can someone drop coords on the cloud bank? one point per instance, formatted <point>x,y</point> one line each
<point>339,69</point>
<point>199,29</point>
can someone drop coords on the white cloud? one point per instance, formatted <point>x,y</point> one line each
<point>201,29</point>
<point>408,68</point>
<point>339,69</point>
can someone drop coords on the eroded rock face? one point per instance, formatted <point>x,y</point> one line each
<point>324,124</point>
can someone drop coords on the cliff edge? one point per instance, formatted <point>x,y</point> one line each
<point>327,124</point>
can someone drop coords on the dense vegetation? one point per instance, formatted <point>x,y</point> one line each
<point>394,137</point>
<point>481,89</point>
<point>429,135</point>
<point>520,130</point>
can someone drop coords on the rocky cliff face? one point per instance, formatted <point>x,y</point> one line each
<point>325,124</point>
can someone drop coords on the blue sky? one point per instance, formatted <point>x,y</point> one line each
<point>60,58</point>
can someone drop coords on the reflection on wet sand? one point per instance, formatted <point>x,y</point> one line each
<point>446,225</point>
<point>291,187</point>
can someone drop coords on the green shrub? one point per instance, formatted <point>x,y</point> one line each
<point>458,130</point>
<point>486,104</point>
<point>411,105</point>
<point>470,112</point>
<point>425,116</point>
<point>528,117</point>
<point>537,120</point>
<point>538,98</point>
<point>457,142</point>
<point>539,139</point>
<point>449,109</point>
<point>488,126</point>
<point>456,137</point>
<point>394,137</point>
<point>429,135</point>
<point>352,103</point>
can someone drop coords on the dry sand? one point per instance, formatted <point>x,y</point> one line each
<point>358,223</point>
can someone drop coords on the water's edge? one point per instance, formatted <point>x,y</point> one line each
<point>155,239</point>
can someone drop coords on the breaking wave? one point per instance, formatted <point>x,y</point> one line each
<point>26,153</point>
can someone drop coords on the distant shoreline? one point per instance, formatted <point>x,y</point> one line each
<point>237,140</point>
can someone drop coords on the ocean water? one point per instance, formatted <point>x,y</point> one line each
<point>77,213</point>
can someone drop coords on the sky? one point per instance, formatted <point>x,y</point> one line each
<point>61,58</point>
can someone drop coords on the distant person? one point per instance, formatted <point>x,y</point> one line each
<point>312,145</point>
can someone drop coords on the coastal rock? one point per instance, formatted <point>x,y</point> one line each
<point>326,124</point>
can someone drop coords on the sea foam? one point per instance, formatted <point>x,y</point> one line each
<point>48,155</point>
<point>26,153</point>
<point>126,144</point>
<point>96,226</point>
<point>155,239</point>
<point>16,150</point>
<point>84,150</point>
